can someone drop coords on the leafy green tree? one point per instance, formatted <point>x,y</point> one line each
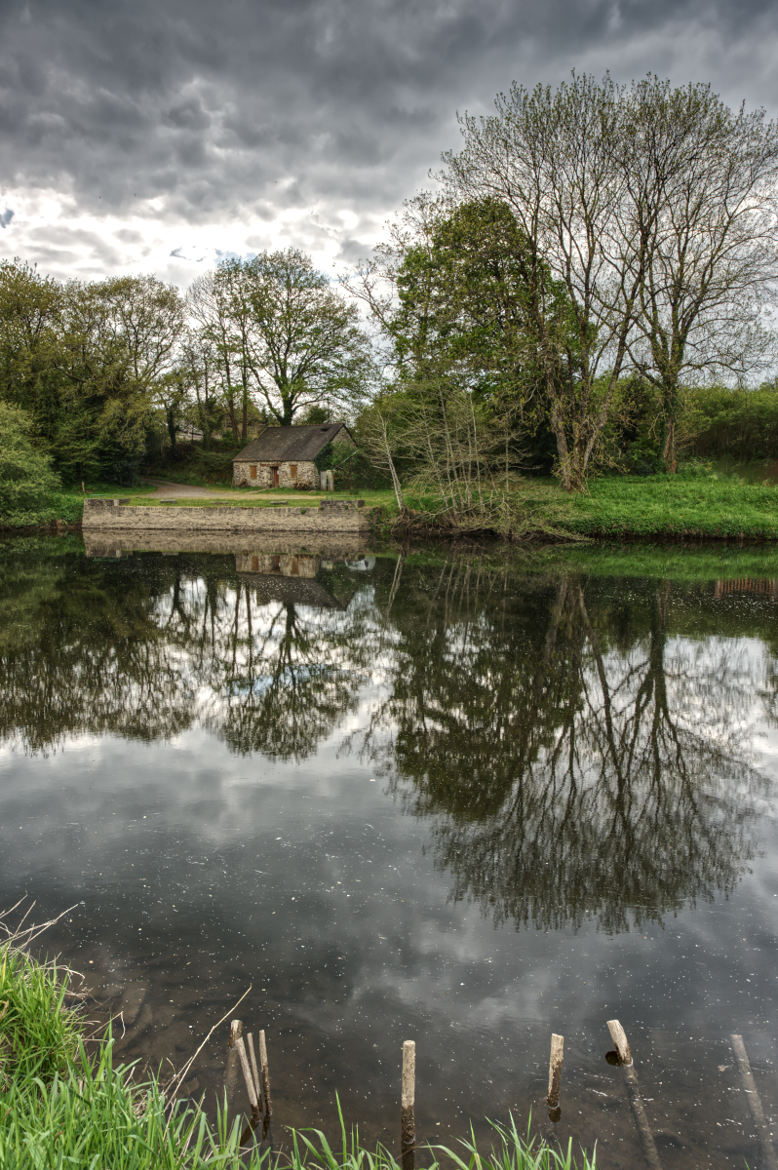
<point>479,310</point>
<point>300,340</point>
<point>220,321</point>
<point>119,350</point>
<point>30,345</point>
<point>26,475</point>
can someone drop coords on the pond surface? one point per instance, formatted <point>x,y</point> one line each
<point>465,800</point>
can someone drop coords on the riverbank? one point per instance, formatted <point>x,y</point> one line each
<point>692,505</point>
<point>68,1102</point>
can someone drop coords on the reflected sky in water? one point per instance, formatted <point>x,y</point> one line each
<point>464,800</point>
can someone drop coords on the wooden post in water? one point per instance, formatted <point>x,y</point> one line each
<point>231,1070</point>
<point>265,1073</point>
<point>254,1069</point>
<point>408,1106</point>
<point>621,1044</point>
<point>555,1076</point>
<point>754,1101</point>
<point>244,1064</point>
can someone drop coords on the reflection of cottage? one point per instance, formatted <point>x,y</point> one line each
<point>286,456</point>
<point>290,578</point>
<point>285,564</point>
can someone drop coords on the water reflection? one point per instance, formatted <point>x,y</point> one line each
<point>576,758</point>
<point>578,748</point>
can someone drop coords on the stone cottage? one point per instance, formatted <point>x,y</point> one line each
<point>286,456</point>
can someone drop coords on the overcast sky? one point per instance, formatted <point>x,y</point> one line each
<point>154,136</point>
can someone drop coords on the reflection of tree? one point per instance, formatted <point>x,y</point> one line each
<point>147,647</point>
<point>576,751</point>
<point>571,772</point>
<point>286,688</point>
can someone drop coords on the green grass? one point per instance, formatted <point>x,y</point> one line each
<point>693,505</point>
<point>66,1105</point>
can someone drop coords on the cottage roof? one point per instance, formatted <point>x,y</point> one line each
<point>281,444</point>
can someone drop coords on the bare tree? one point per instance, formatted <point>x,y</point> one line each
<point>655,209</point>
<point>211,307</point>
<point>701,215</point>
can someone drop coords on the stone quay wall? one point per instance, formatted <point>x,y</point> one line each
<point>331,516</point>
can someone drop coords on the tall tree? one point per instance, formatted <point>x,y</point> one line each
<point>30,340</point>
<point>553,157</point>
<point>212,307</point>
<point>301,340</point>
<point>656,210</point>
<point>701,198</point>
<point>478,309</point>
<point>119,342</point>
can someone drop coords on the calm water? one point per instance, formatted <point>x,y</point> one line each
<point>467,801</point>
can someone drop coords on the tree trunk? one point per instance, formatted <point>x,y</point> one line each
<point>171,430</point>
<point>669,454</point>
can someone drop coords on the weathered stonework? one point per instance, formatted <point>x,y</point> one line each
<point>306,476</point>
<point>285,564</point>
<point>331,516</point>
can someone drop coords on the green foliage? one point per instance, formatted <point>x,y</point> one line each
<point>88,362</point>
<point>297,343</point>
<point>479,311</point>
<point>193,464</point>
<point>739,424</point>
<point>26,477</point>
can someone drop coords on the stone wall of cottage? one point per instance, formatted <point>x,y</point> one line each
<point>306,475</point>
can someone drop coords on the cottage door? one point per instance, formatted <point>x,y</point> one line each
<point>275,477</point>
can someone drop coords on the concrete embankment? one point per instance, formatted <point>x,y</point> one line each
<point>334,517</point>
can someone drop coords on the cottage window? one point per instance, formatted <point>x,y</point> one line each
<point>293,470</point>
<point>253,470</point>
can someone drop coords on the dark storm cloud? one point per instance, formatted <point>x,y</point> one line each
<point>236,110</point>
<point>6,217</point>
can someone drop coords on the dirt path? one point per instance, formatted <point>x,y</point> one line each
<point>165,490</point>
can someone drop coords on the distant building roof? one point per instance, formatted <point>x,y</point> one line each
<point>282,444</point>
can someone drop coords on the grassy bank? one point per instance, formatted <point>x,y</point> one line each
<point>61,509</point>
<point>65,1103</point>
<point>690,506</point>
<point>620,508</point>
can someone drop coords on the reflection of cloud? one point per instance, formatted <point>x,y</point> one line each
<point>203,871</point>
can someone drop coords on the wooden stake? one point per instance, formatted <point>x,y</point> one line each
<point>244,1064</point>
<point>621,1044</point>
<point>620,1041</point>
<point>254,1070</point>
<point>408,1106</point>
<point>555,1075</point>
<point>265,1070</point>
<point>755,1103</point>
<point>231,1070</point>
